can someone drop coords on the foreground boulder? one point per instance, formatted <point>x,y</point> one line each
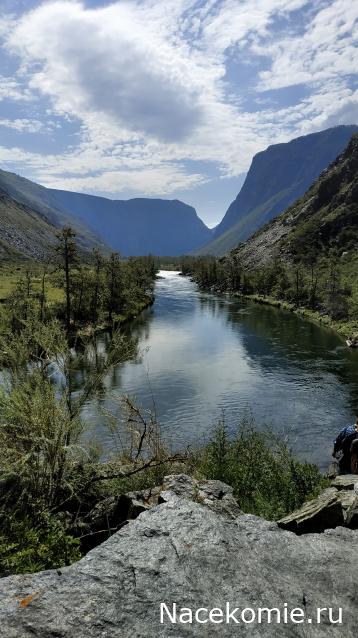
<point>194,550</point>
<point>337,505</point>
<point>109,515</point>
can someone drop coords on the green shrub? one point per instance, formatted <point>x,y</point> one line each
<point>25,548</point>
<point>267,480</point>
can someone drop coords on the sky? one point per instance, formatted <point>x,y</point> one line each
<point>168,98</point>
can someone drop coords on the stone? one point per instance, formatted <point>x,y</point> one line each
<point>109,515</point>
<point>351,517</point>
<point>347,500</point>
<point>113,512</point>
<point>184,552</point>
<point>323,512</point>
<point>213,494</point>
<point>345,482</point>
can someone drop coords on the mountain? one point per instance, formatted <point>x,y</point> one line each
<point>277,177</point>
<point>132,227</point>
<point>23,231</point>
<point>325,218</point>
<point>24,195</point>
<point>137,226</point>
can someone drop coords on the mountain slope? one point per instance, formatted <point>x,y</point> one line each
<point>277,177</point>
<point>137,226</point>
<point>39,200</point>
<point>23,232</point>
<point>325,218</point>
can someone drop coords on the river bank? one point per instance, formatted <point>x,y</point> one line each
<point>91,329</point>
<point>202,355</point>
<point>100,297</point>
<point>343,328</point>
<point>252,395</point>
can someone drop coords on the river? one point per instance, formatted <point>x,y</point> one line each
<point>205,356</point>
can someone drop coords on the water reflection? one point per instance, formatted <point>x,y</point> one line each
<point>201,354</point>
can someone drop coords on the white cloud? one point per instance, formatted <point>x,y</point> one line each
<point>328,49</point>
<point>238,22</point>
<point>22,125</point>
<point>160,181</point>
<point>11,89</point>
<point>112,62</point>
<point>146,81</point>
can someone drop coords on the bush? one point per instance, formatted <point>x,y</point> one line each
<point>45,469</point>
<point>25,548</point>
<point>267,480</point>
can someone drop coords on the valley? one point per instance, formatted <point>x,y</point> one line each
<point>118,368</point>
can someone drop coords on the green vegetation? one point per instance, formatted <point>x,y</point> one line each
<point>51,480</point>
<point>326,290</point>
<point>12,272</point>
<point>100,292</point>
<point>45,470</point>
<point>267,479</point>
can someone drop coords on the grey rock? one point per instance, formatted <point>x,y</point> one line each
<point>181,485</point>
<point>215,495</point>
<point>323,512</point>
<point>351,517</point>
<point>348,500</point>
<point>337,505</point>
<point>183,552</point>
<point>109,515</point>
<point>345,482</point>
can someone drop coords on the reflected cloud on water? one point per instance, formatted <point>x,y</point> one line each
<point>202,354</point>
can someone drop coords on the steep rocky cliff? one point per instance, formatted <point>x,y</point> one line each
<point>325,218</point>
<point>277,177</point>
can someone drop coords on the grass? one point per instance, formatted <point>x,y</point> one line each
<point>10,273</point>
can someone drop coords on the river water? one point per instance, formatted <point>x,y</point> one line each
<point>203,356</point>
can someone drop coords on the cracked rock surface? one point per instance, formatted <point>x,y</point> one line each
<point>196,554</point>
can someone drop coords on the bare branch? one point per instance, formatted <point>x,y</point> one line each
<point>152,463</point>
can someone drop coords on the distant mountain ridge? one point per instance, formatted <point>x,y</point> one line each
<point>133,227</point>
<point>277,177</point>
<point>137,226</point>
